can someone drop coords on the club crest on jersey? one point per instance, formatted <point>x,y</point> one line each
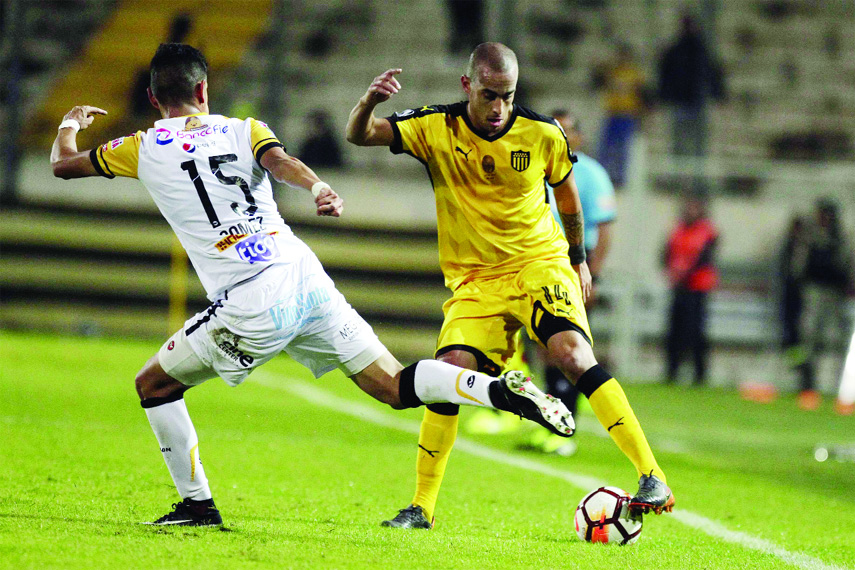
<point>163,136</point>
<point>520,159</point>
<point>258,248</point>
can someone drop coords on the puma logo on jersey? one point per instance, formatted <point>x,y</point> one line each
<point>465,154</point>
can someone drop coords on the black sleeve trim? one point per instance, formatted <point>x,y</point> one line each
<point>397,146</point>
<point>93,157</point>
<point>562,181</point>
<point>263,141</point>
<point>273,144</point>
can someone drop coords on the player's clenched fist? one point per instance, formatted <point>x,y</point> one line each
<point>83,114</point>
<point>329,203</point>
<point>384,86</point>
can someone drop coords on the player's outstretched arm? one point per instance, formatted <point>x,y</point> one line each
<point>65,159</point>
<point>570,210</point>
<point>293,172</point>
<point>363,128</point>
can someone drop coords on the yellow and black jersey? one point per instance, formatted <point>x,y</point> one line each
<point>491,212</point>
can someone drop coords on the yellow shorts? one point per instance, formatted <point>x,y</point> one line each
<point>484,315</point>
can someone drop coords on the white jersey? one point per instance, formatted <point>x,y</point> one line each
<point>204,174</point>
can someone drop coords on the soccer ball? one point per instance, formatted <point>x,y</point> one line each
<point>604,516</point>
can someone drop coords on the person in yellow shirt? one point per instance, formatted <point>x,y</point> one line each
<point>502,254</point>
<point>623,86</point>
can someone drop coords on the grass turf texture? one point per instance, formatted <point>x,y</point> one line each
<point>301,486</point>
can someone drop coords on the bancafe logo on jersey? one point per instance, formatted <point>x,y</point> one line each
<point>258,247</point>
<point>202,131</point>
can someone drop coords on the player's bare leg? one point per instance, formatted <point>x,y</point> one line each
<point>576,359</point>
<point>162,398</point>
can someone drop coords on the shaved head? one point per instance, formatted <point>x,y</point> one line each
<point>491,58</point>
<point>490,83</point>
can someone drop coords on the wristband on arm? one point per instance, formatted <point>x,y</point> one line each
<point>577,254</point>
<point>70,124</point>
<point>318,186</point>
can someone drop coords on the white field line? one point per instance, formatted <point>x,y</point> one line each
<point>364,412</point>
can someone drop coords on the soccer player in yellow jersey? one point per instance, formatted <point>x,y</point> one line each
<point>502,254</point>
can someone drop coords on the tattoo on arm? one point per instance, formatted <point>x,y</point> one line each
<point>574,228</point>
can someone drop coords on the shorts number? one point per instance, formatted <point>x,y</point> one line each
<point>215,161</point>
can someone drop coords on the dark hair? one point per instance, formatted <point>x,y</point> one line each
<point>176,69</point>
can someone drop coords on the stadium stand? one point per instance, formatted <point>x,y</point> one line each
<point>791,78</point>
<point>124,45</point>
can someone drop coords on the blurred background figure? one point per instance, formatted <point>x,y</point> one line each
<point>826,280</point>
<point>599,210</point>
<point>793,260</point>
<point>623,89</point>
<point>689,263</point>
<point>321,148</point>
<point>141,108</point>
<point>467,25</point>
<point>688,78</point>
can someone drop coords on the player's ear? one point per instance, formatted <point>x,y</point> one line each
<point>201,91</point>
<point>466,83</point>
<point>151,98</point>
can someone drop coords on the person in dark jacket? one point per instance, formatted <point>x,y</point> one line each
<point>688,78</point>
<point>826,280</point>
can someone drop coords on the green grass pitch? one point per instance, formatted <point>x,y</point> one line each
<point>303,483</point>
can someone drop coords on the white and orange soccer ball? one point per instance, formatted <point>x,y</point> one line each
<point>603,516</point>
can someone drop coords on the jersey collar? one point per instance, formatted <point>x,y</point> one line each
<point>498,135</point>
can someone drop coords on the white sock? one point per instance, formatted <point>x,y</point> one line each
<point>437,381</point>
<point>180,447</point>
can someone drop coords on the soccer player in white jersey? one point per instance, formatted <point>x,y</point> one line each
<point>208,176</point>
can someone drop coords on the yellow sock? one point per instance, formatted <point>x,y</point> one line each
<point>615,414</point>
<point>436,438</point>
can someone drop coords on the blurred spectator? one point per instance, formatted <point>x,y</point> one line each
<point>623,89</point>
<point>141,108</point>
<point>467,25</point>
<point>688,78</point>
<point>321,148</point>
<point>826,280</point>
<point>792,266</point>
<point>689,262</point>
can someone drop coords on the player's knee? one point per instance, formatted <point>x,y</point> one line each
<point>381,386</point>
<point>461,358</point>
<point>573,358</point>
<point>572,365</point>
<point>143,383</point>
<point>152,382</point>
<point>389,396</point>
